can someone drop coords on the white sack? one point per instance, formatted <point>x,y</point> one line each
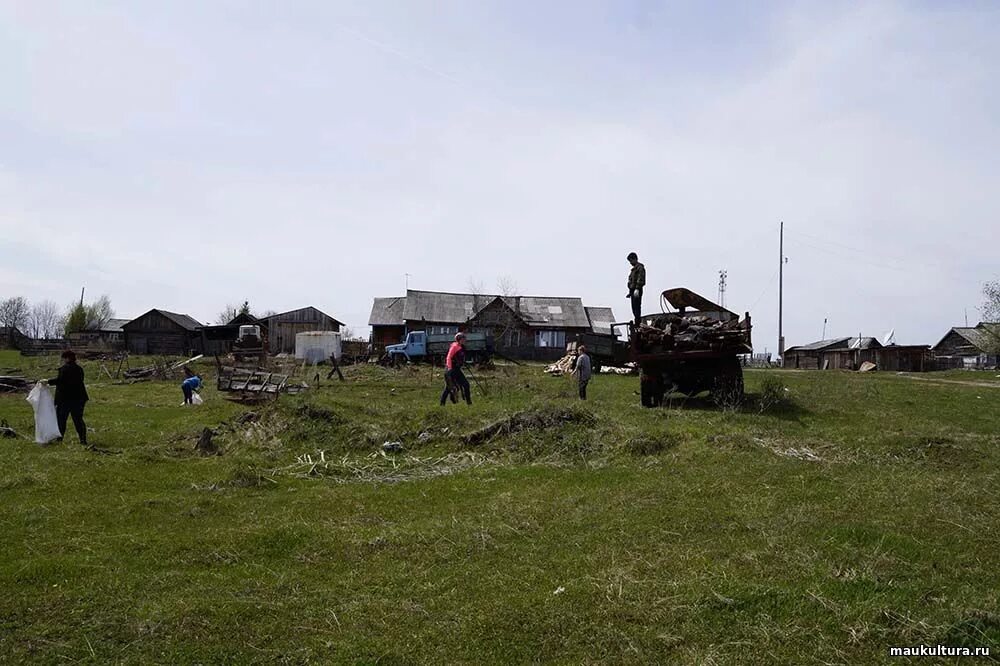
<point>46,424</point>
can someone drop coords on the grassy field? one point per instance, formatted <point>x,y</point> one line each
<point>859,513</point>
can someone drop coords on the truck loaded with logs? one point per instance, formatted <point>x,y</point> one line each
<point>695,348</point>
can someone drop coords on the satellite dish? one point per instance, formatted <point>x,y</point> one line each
<point>889,338</point>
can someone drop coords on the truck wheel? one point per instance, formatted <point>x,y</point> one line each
<point>727,388</point>
<point>651,390</point>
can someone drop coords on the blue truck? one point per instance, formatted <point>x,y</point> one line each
<point>433,348</point>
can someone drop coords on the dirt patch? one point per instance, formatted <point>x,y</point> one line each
<point>535,419</point>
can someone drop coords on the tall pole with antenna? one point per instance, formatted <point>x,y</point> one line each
<point>781,289</point>
<point>722,288</point>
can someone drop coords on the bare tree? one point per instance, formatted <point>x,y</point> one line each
<point>99,313</point>
<point>346,333</point>
<point>228,314</point>
<point>14,313</point>
<point>507,286</point>
<point>991,314</point>
<point>44,321</point>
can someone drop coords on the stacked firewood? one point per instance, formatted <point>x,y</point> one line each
<point>563,366</point>
<point>672,332</point>
<point>11,384</point>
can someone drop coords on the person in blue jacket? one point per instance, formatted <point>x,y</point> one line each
<point>191,383</point>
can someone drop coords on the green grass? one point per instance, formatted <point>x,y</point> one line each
<point>860,514</point>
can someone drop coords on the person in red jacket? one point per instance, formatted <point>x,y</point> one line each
<point>454,378</point>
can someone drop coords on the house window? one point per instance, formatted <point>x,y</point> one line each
<point>555,339</point>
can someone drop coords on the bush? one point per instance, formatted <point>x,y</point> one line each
<point>773,395</point>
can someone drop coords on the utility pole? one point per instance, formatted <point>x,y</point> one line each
<point>781,289</point>
<point>83,289</point>
<point>722,288</point>
<point>824,329</point>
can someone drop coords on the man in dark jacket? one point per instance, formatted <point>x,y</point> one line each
<point>636,281</point>
<point>71,396</point>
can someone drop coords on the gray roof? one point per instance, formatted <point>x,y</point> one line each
<point>601,320</point>
<point>442,307</point>
<point>866,343</point>
<point>983,337</point>
<point>298,313</point>
<point>387,311</point>
<point>453,308</point>
<point>822,344</point>
<point>115,325</point>
<point>837,344</point>
<point>182,320</point>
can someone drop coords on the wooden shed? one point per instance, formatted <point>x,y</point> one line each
<point>282,328</point>
<point>163,333</point>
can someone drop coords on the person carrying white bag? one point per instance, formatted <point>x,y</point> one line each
<point>46,424</point>
<point>71,396</point>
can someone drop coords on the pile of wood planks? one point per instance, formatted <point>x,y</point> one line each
<point>563,366</point>
<point>12,384</point>
<point>674,332</point>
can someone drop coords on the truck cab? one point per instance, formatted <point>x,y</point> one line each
<point>412,348</point>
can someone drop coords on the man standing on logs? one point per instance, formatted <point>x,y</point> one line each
<point>636,281</point>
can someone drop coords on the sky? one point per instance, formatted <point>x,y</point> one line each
<point>187,155</point>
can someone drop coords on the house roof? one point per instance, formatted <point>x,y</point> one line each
<point>182,320</point>
<point>114,325</point>
<point>456,308</point>
<point>308,307</point>
<point>982,336</point>
<point>387,311</point>
<point>866,343</point>
<point>601,320</point>
<point>834,344</point>
<point>820,345</point>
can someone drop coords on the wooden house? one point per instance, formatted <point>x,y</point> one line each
<point>851,353</point>
<point>163,333</point>
<point>524,327</point>
<point>11,337</point>
<point>110,336</point>
<point>969,347</point>
<point>282,328</point>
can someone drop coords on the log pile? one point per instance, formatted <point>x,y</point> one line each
<point>672,332</point>
<point>563,366</point>
<point>10,384</point>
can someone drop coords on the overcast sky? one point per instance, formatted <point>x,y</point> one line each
<point>184,155</point>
